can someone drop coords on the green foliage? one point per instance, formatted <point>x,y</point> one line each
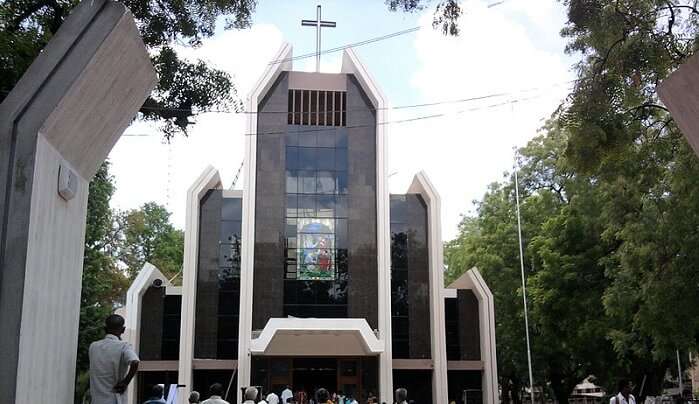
<point>610,208</point>
<point>148,236</point>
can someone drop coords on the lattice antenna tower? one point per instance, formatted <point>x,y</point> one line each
<point>237,175</point>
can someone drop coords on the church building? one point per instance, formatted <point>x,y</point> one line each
<point>313,275</point>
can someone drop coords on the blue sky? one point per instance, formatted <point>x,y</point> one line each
<point>513,48</point>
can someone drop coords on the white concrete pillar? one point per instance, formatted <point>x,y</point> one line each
<point>56,128</point>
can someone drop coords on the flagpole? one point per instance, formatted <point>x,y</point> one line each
<point>524,285</point>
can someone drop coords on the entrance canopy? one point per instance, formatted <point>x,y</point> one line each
<point>317,337</point>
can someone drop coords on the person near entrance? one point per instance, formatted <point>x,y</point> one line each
<point>624,396</point>
<point>216,393</point>
<point>113,363</point>
<point>401,396</point>
<point>287,394</point>
<point>156,395</point>
<point>323,397</point>
<point>250,395</point>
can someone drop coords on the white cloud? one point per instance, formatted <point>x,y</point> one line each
<point>465,151</point>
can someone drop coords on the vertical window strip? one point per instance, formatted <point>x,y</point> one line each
<point>344,109</point>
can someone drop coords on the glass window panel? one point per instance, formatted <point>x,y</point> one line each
<point>304,107</point>
<point>326,138</point>
<point>326,182</point>
<point>307,182</point>
<point>307,206</point>
<point>304,292</point>
<point>291,242</point>
<point>307,137</point>
<point>326,206</point>
<point>297,107</point>
<point>326,159</point>
<point>291,205</point>
<point>344,108</point>
<point>290,107</point>
<point>341,182</point>
<point>291,182</point>
<point>314,107</point>
<point>292,155</point>
<point>341,138</point>
<point>230,230</point>
<point>341,239</point>
<point>292,138</point>
<point>290,227</point>
<point>341,159</point>
<point>307,158</point>
<point>341,206</point>
<point>322,100</point>
<point>338,105</point>
<point>231,209</point>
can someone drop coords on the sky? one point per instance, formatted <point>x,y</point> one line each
<point>511,53</point>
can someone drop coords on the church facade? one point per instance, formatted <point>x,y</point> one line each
<point>313,275</point>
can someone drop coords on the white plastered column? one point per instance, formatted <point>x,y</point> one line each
<point>247,257</point>
<point>422,185</point>
<point>209,179</point>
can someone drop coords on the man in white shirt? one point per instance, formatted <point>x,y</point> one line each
<point>113,363</point>
<point>624,396</point>
<point>401,396</point>
<point>287,394</point>
<point>215,395</point>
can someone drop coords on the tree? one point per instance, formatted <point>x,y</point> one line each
<point>622,136</point>
<point>148,236</point>
<point>565,280</point>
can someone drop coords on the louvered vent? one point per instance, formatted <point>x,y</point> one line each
<point>317,108</point>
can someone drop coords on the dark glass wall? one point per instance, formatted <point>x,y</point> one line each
<point>315,222</point>
<point>218,277</point>
<point>462,327</point>
<point>160,325</point>
<point>410,304</point>
<point>465,386</point>
<point>146,381</point>
<point>417,382</point>
<point>270,205</point>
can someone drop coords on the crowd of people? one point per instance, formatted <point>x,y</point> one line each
<point>114,363</point>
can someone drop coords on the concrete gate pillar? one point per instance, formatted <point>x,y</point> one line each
<point>56,128</point>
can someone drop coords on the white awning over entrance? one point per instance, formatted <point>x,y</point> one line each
<point>317,337</point>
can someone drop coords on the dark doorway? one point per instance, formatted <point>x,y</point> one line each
<point>310,374</point>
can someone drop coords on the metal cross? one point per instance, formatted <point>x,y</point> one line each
<point>318,23</point>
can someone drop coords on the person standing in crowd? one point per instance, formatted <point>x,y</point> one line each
<point>323,397</point>
<point>401,396</point>
<point>272,398</point>
<point>350,400</point>
<point>250,395</point>
<point>113,363</point>
<point>156,395</point>
<point>624,396</point>
<point>340,397</point>
<point>301,397</point>
<point>287,394</point>
<point>194,397</point>
<point>215,395</point>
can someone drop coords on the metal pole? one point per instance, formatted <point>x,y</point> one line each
<point>524,286</point>
<point>318,39</point>
<point>679,372</point>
